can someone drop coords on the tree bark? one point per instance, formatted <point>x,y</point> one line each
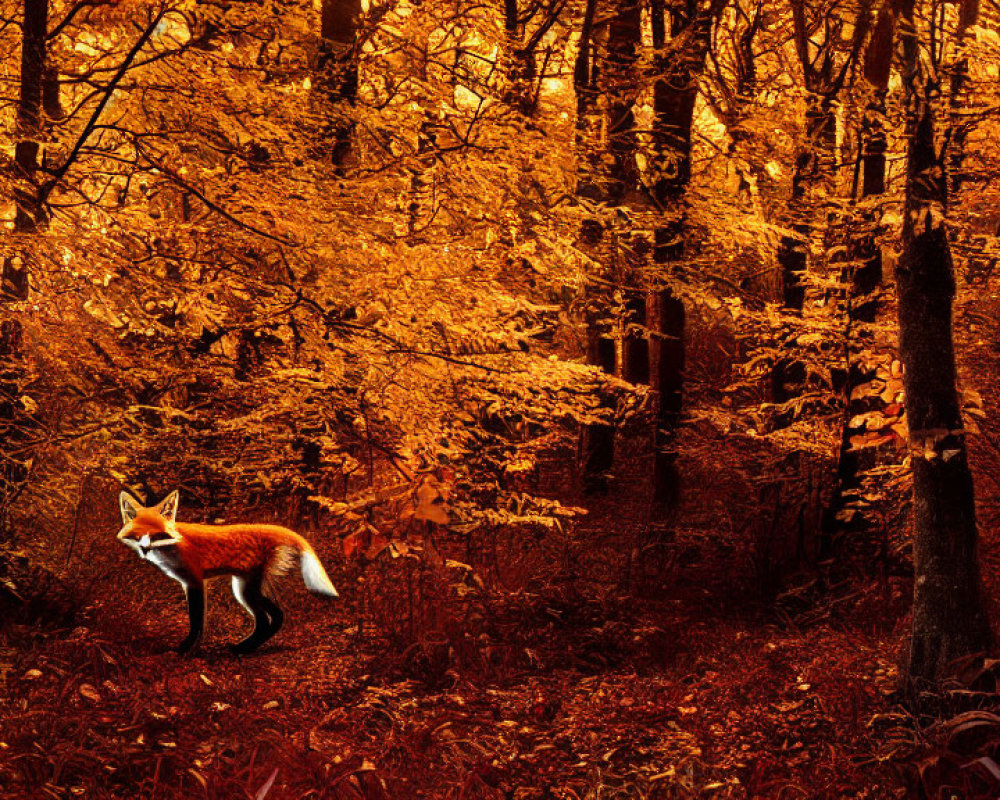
<point>635,346</point>
<point>949,620</point>
<point>864,278</point>
<point>814,170</point>
<point>522,68</point>
<point>968,16</point>
<point>599,440</point>
<point>619,84</point>
<point>14,275</point>
<point>339,68</point>
<point>674,94</point>
<point>613,181</point>
<point>28,214</point>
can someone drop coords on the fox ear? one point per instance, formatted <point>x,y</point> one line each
<point>129,506</point>
<point>168,508</point>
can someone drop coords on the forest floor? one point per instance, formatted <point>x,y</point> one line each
<point>599,699</point>
<point>743,711</point>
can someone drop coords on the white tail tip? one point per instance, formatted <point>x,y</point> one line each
<point>315,576</point>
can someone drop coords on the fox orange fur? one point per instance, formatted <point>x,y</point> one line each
<point>191,553</point>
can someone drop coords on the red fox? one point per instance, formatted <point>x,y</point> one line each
<point>190,553</point>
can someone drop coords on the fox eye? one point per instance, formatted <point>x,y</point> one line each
<point>160,537</point>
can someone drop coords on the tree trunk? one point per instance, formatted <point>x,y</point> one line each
<point>421,208</point>
<point>812,176</point>
<point>613,181</point>
<point>14,423</point>
<point>620,87</point>
<point>635,345</point>
<point>585,88</point>
<point>521,68</point>
<point>599,440</point>
<point>813,168</point>
<point>29,114</point>
<point>968,16</point>
<point>864,279</point>
<point>339,68</point>
<point>674,96</point>
<point>949,621</point>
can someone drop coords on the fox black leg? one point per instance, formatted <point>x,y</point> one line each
<point>267,617</point>
<point>196,613</point>
<point>274,613</point>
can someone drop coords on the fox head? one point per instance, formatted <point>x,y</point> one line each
<point>146,529</point>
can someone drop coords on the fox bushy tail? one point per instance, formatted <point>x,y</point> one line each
<point>314,575</point>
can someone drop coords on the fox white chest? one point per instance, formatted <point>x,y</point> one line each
<point>168,560</point>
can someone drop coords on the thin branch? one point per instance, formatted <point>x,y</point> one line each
<point>211,204</point>
<point>542,29</point>
<point>58,174</point>
<point>76,9</point>
<point>453,360</point>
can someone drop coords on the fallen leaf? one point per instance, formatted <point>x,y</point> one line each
<point>88,691</point>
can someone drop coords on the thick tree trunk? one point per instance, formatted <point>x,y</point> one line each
<point>620,87</point>
<point>29,114</point>
<point>635,346</point>
<point>613,181</point>
<point>14,275</point>
<point>674,96</point>
<point>669,360</point>
<point>949,621</point>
